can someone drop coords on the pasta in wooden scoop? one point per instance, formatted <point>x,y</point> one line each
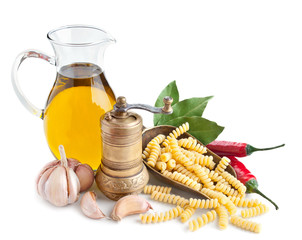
<point>153,133</point>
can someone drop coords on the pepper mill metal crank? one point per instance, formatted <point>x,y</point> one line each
<point>122,171</point>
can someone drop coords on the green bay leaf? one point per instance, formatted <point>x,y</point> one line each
<point>203,129</point>
<point>170,90</point>
<point>186,108</point>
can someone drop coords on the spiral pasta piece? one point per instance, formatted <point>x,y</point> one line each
<point>243,202</point>
<point>192,144</point>
<point>155,142</point>
<point>215,176</point>
<point>203,160</point>
<point>169,198</point>
<point>167,173</point>
<point>161,166</point>
<point>180,130</point>
<point>165,157</point>
<point>152,159</point>
<point>226,189</point>
<point>161,217</point>
<point>148,189</point>
<point>146,153</point>
<point>222,199</point>
<point>234,182</point>
<point>222,165</point>
<point>171,164</point>
<point>176,133</point>
<point>181,169</point>
<point>178,155</point>
<point>254,211</point>
<point>230,206</point>
<point>187,153</point>
<point>203,176</point>
<point>179,177</point>
<point>245,224</point>
<point>203,220</point>
<point>204,203</point>
<point>223,217</point>
<point>187,213</point>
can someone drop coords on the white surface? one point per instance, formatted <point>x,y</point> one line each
<point>245,53</point>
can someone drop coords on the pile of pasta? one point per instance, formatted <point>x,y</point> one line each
<point>185,161</point>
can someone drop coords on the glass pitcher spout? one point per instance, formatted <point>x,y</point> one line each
<point>79,43</point>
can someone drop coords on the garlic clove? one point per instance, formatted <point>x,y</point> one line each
<point>46,167</point>
<point>56,187</point>
<point>89,206</point>
<point>85,175</point>
<point>128,205</point>
<point>42,180</point>
<point>73,186</point>
<point>73,163</point>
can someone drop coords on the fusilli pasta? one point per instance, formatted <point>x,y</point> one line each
<point>222,165</point>
<point>203,176</point>
<point>187,213</point>
<point>165,157</point>
<point>171,164</point>
<point>203,220</point>
<point>245,224</point>
<point>243,202</point>
<point>192,144</point>
<point>254,211</point>
<point>153,143</point>
<point>234,182</point>
<point>161,217</point>
<point>152,159</point>
<point>148,189</point>
<point>161,166</point>
<point>203,160</point>
<point>179,177</point>
<point>181,169</point>
<point>223,217</point>
<point>169,198</point>
<point>214,194</point>
<point>204,203</point>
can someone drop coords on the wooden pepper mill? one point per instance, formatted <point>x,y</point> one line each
<point>122,171</point>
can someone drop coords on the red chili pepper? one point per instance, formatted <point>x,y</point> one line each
<point>247,178</point>
<point>227,148</point>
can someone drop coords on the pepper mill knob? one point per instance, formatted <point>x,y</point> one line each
<point>168,102</point>
<point>121,102</point>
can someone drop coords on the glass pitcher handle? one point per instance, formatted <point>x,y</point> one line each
<point>19,59</point>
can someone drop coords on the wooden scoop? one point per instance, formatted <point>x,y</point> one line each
<point>150,133</point>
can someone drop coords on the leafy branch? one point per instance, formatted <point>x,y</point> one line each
<point>188,110</point>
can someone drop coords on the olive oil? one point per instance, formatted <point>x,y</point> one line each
<point>78,99</point>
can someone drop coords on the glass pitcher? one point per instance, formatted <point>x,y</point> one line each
<point>80,94</point>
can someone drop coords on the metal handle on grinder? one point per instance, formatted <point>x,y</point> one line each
<point>122,106</point>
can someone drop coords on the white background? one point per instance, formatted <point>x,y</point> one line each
<point>247,54</point>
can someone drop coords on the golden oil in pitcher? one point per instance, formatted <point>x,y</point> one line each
<point>78,99</point>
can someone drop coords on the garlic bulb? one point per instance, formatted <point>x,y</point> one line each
<point>59,184</point>
<point>83,171</point>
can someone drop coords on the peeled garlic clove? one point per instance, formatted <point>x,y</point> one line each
<point>56,187</point>
<point>89,206</point>
<point>85,175</point>
<point>128,205</point>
